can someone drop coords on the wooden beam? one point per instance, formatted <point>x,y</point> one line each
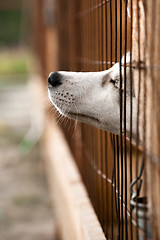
<point>75,216</point>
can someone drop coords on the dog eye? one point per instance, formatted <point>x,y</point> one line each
<point>116,82</point>
<point>112,81</point>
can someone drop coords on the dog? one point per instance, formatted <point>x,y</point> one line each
<point>94,97</point>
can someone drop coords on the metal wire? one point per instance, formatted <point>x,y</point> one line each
<point>110,163</point>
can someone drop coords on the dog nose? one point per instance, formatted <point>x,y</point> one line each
<point>54,79</point>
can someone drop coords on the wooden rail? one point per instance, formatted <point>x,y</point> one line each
<point>75,216</point>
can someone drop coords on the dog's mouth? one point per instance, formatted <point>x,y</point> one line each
<point>83,117</point>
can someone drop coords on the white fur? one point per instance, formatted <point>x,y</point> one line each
<point>94,98</point>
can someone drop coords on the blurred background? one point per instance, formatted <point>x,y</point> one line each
<point>29,51</point>
<point>25,211</point>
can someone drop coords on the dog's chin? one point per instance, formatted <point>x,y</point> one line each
<point>84,118</point>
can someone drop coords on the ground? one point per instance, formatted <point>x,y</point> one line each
<point>25,210</point>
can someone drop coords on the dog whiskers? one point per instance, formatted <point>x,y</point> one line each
<point>76,120</point>
<point>51,110</point>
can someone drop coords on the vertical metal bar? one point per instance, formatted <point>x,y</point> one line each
<point>102,132</point>
<point>131,87</point>
<point>118,186</point>
<point>102,37</point>
<point>106,172</point>
<point>115,31</point>
<point>112,210</point>
<point>121,115</point>
<point>106,34</point>
<point>98,130</point>
<point>90,69</point>
<point>115,178</point>
<point>92,131</point>
<point>104,181</point>
<point>95,130</point>
<point>95,58</point>
<point>112,192</point>
<point>106,135</point>
<point>113,183</point>
<point>117,139</point>
<point>110,33</point>
<point>125,145</point>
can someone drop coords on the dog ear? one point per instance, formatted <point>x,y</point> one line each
<point>127,58</point>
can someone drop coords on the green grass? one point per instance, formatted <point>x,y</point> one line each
<point>10,27</point>
<point>15,61</point>
<point>13,66</point>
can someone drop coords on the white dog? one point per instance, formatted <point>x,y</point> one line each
<point>94,97</point>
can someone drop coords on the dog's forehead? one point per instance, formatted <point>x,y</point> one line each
<point>90,77</point>
<point>83,77</point>
<point>80,74</point>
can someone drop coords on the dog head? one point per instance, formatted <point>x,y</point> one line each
<point>90,97</point>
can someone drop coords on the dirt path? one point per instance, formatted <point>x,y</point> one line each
<point>25,211</point>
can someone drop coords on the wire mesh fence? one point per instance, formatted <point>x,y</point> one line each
<point>121,173</point>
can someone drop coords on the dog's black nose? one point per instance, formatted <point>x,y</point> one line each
<point>55,79</point>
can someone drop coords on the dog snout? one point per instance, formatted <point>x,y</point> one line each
<point>54,79</point>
